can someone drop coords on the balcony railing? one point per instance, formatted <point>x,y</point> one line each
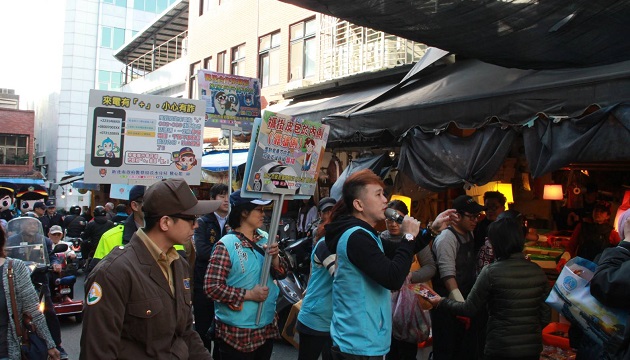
<point>163,54</point>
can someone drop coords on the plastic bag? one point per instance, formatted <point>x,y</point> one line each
<point>571,297</point>
<point>410,323</point>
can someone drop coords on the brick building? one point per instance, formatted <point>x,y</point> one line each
<point>17,145</point>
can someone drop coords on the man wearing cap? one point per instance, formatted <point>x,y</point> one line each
<point>211,229</point>
<point>139,301</point>
<point>51,217</point>
<point>454,251</point>
<point>122,233</point>
<point>324,210</point>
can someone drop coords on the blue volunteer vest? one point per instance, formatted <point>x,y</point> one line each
<point>247,265</point>
<point>316,311</point>
<point>362,310</point>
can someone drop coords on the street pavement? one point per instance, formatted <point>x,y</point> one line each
<point>71,334</point>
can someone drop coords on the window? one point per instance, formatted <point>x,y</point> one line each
<point>207,63</point>
<point>13,149</point>
<point>221,62</point>
<point>238,60</point>
<point>112,38</point>
<point>154,6</point>
<point>303,48</point>
<point>204,6</point>
<point>121,3</point>
<point>269,59</point>
<point>109,80</point>
<point>192,90</point>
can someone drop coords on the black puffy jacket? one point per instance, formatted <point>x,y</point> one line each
<point>514,290</point>
<point>95,229</point>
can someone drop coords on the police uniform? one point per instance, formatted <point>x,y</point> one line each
<point>134,312</point>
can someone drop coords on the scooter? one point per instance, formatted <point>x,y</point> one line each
<point>27,242</point>
<point>297,255</point>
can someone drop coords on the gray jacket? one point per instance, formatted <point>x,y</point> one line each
<point>27,301</point>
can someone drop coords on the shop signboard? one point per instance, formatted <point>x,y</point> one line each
<point>141,139</point>
<point>286,155</point>
<point>230,100</point>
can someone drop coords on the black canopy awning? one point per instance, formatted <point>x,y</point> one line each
<point>472,93</point>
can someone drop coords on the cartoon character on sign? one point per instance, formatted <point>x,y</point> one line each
<point>227,103</point>
<point>108,149</point>
<point>310,155</point>
<point>7,197</point>
<point>184,159</point>
<point>275,175</point>
<point>29,195</point>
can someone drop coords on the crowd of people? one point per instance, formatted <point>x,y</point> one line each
<point>180,277</point>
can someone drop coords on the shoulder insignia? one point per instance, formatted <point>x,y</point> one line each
<point>187,283</point>
<point>95,294</point>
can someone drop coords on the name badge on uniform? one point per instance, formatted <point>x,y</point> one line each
<point>187,283</point>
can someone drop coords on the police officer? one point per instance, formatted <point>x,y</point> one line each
<point>139,297</point>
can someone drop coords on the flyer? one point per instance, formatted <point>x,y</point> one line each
<point>141,139</point>
<point>229,99</point>
<point>286,154</point>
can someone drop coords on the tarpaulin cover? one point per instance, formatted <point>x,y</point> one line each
<point>379,164</point>
<point>603,135</point>
<point>472,93</point>
<point>440,162</point>
<point>527,34</point>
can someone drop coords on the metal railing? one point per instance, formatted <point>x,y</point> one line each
<point>348,49</point>
<point>161,55</point>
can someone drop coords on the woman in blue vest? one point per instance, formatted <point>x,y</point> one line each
<point>232,282</point>
<point>315,315</point>
<point>367,269</point>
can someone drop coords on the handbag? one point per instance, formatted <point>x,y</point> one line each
<point>410,322</point>
<point>571,296</point>
<point>32,346</point>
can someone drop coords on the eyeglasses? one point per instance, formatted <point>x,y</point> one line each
<point>55,234</point>
<point>191,218</point>
<point>390,221</point>
<point>471,217</point>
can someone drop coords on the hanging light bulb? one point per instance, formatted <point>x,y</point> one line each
<point>70,191</point>
<point>63,194</point>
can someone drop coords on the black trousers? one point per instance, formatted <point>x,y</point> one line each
<point>338,355</point>
<point>51,319</point>
<point>402,350</point>
<point>229,353</point>
<point>311,346</point>
<point>451,340</point>
<point>203,311</point>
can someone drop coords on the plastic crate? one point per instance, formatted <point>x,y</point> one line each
<point>549,338</point>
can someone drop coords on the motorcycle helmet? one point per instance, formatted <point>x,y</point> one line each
<point>75,210</point>
<point>100,211</point>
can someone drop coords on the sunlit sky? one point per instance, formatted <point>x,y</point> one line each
<point>32,44</point>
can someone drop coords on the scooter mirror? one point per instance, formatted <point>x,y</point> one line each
<point>286,227</point>
<point>60,248</point>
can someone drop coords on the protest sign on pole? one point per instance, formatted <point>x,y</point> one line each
<point>141,139</point>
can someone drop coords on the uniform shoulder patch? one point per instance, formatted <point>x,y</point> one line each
<point>95,294</point>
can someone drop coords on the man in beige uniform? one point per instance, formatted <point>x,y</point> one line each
<point>139,301</point>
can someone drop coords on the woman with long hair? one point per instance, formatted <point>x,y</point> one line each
<point>26,302</point>
<point>513,289</point>
<point>232,282</point>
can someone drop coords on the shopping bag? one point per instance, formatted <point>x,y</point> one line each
<point>571,297</point>
<point>290,333</point>
<point>410,323</point>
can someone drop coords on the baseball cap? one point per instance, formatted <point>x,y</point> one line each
<point>50,203</point>
<point>39,205</point>
<point>326,203</point>
<point>136,192</point>
<point>465,203</point>
<point>174,196</point>
<point>55,229</point>
<point>237,200</point>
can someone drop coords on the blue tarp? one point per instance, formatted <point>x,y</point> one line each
<point>22,181</point>
<point>219,160</point>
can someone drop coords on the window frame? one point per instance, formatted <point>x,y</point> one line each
<point>236,63</point>
<point>221,61</point>
<point>304,38</point>
<point>15,146</point>
<point>267,53</point>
